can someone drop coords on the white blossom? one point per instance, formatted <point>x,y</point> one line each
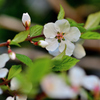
<point>79,51</point>
<point>26,20</point>
<point>42,43</point>
<point>15,85</point>
<point>55,87</point>
<point>59,34</point>
<point>10,98</point>
<point>91,82</point>
<point>76,74</point>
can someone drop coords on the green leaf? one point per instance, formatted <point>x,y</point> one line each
<point>20,37</point>
<point>93,20</point>
<point>90,35</point>
<point>14,43</point>
<point>40,67</point>
<point>36,30</point>
<point>78,25</point>
<point>65,64</point>
<point>59,58</point>
<point>37,39</point>
<point>61,13</point>
<point>95,28</point>
<point>14,70</point>
<point>26,60</point>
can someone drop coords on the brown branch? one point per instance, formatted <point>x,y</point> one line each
<point>4,83</point>
<point>30,38</point>
<point>27,39</point>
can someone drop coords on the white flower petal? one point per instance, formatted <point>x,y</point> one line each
<point>63,25</point>
<point>76,74</point>
<point>26,18</point>
<point>73,34</point>
<point>49,30</point>
<point>10,98</point>
<point>79,51</point>
<point>52,44</point>
<point>3,59</point>
<point>14,84</point>
<point>1,91</point>
<point>90,82</point>
<point>54,53</point>
<point>55,87</point>
<point>3,72</point>
<point>42,43</point>
<point>21,97</point>
<point>70,48</point>
<point>62,46</point>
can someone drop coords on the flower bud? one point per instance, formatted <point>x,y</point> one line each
<point>12,55</point>
<point>26,20</point>
<point>42,43</point>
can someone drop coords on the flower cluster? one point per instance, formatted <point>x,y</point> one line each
<point>56,87</point>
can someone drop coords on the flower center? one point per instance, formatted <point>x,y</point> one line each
<point>60,36</point>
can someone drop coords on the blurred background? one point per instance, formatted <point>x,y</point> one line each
<point>44,11</point>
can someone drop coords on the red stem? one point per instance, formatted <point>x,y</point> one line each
<point>4,83</point>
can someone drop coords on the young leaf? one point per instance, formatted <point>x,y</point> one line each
<point>36,30</point>
<point>78,25</point>
<point>93,20</point>
<point>26,60</point>
<point>14,43</point>
<point>65,64</point>
<point>61,13</point>
<point>20,37</point>
<point>39,69</point>
<point>90,35</point>
<point>58,58</point>
<point>95,28</point>
<point>14,70</point>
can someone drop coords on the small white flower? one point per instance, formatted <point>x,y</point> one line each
<point>55,87</point>
<point>76,74</point>
<point>79,51</point>
<point>10,98</point>
<point>15,85</point>
<point>91,82</point>
<point>12,55</point>
<point>42,43</point>
<point>26,20</point>
<point>59,34</point>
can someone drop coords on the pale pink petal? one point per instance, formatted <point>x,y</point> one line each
<point>63,25</point>
<point>3,72</point>
<point>79,51</point>
<point>52,44</point>
<point>90,82</point>
<point>49,30</point>
<point>76,74</point>
<point>73,34</point>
